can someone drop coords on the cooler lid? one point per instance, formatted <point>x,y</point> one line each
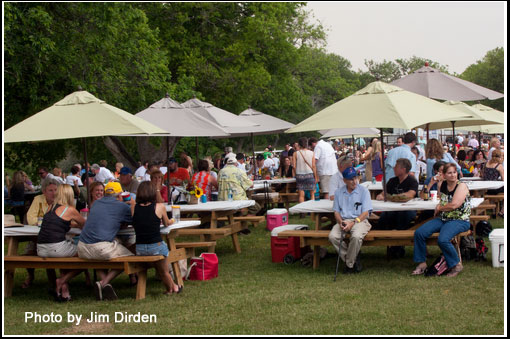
<point>276,230</point>
<point>497,234</point>
<point>277,211</point>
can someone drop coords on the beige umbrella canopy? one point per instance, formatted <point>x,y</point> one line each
<point>178,121</point>
<point>473,116</point>
<point>78,115</point>
<point>490,113</point>
<point>378,105</point>
<point>434,84</point>
<point>267,123</point>
<point>341,133</point>
<point>230,122</point>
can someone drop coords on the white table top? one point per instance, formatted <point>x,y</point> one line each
<point>472,185</point>
<point>470,179</point>
<point>28,230</point>
<point>378,186</point>
<point>214,206</point>
<point>326,206</point>
<point>275,181</point>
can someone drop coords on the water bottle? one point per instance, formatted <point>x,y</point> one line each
<point>176,213</point>
<point>84,213</point>
<point>203,199</point>
<point>317,195</point>
<point>373,181</point>
<point>230,195</point>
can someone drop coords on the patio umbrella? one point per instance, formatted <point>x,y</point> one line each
<point>78,115</point>
<point>435,84</point>
<point>473,116</point>
<point>488,129</point>
<point>378,105</point>
<point>179,121</point>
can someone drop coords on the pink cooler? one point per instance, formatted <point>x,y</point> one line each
<point>286,250</point>
<point>277,217</point>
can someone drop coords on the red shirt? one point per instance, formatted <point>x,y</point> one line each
<point>177,177</point>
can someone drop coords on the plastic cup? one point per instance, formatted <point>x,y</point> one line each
<point>433,195</point>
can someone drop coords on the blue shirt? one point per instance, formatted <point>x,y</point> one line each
<point>403,151</point>
<point>104,221</point>
<point>352,205</point>
<point>447,157</point>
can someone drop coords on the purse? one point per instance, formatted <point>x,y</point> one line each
<point>204,267</point>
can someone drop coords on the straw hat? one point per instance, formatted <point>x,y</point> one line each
<point>10,221</point>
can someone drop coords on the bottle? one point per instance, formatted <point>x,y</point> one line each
<point>84,213</point>
<point>40,215</point>
<point>425,194</point>
<point>373,181</point>
<point>317,195</point>
<point>230,195</point>
<point>176,213</point>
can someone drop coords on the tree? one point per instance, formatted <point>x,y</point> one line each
<point>490,73</point>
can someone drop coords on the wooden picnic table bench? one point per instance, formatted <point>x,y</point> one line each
<point>254,219</point>
<point>129,265</point>
<point>318,238</point>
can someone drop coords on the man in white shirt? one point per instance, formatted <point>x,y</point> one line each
<point>326,163</point>
<point>337,180</point>
<point>140,172</point>
<point>74,176</point>
<point>269,163</point>
<point>473,143</point>
<point>241,161</point>
<point>276,161</point>
<point>102,173</point>
<point>460,138</point>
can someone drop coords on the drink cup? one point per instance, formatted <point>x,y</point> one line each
<point>126,196</point>
<point>433,195</point>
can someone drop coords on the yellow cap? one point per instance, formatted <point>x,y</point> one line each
<point>113,187</point>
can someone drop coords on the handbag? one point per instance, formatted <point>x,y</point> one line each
<point>204,267</point>
<point>183,267</point>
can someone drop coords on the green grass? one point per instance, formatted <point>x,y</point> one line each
<point>252,295</point>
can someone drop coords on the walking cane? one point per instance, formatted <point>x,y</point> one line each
<point>338,260</point>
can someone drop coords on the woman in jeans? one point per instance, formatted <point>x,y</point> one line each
<point>453,213</point>
<point>147,217</point>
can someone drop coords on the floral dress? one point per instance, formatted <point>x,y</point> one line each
<point>461,213</point>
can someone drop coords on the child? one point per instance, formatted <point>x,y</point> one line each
<point>147,216</point>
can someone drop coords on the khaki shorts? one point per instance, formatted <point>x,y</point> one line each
<point>324,183</point>
<point>102,250</point>
<point>62,249</point>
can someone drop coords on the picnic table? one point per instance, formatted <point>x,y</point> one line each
<point>210,212</point>
<point>285,196</point>
<point>318,237</point>
<point>15,235</point>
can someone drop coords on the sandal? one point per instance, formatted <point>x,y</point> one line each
<point>455,270</point>
<point>419,270</point>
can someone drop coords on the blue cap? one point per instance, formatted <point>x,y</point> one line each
<point>125,170</point>
<point>349,173</point>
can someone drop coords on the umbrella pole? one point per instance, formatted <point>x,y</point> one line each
<point>383,167</point>
<point>353,144</point>
<point>479,139</point>
<point>196,146</point>
<point>453,131</point>
<point>86,170</point>
<point>254,161</point>
<point>168,169</point>
<point>428,131</point>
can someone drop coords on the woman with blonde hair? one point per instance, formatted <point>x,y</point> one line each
<point>495,144</point>
<point>373,161</point>
<point>434,152</point>
<point>118,167</point>
<point>51,240</point>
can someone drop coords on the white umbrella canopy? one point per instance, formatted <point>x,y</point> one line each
<point>267,123</point>
<point>473,117</point>
<point>341,133</point>
<point>78,115</point>
<point>230,122</point>
<point>432,83</point>
<point>486,129</point>
<point>378,105</point>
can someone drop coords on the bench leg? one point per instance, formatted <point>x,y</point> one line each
<point>141,285</point>
<point>8,282</point>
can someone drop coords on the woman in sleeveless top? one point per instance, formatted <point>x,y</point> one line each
<point>147,217</point>
<point>368,158</point>
<point>453,211</point>
<point>492,171</point>
<point>306,173</point>
<point>52,242</point>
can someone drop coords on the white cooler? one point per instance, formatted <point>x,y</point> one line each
<point>497,239</point>
<point>277,217</point>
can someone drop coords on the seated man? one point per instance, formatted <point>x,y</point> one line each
<point>263,167</point>
<point>352,207</point>
<point>337,181</point>
<point>406,186</point>
<point>127,182</point>
<point>97,239</point>
<point>232,179</point>
<point>177,175</point>
<point>102,173</point>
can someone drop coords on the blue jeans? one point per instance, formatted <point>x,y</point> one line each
<point>158,248</point>
<point>447,230</point>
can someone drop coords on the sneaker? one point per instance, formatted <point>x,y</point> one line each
<point>98,290</point>
<point>109,293</point>
<point>349,270</point>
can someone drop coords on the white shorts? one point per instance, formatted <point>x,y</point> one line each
<point>62,249</point>
<point>324,183</point>
<point>102,250</point>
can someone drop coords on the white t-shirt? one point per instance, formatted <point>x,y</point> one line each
<point>163,169</point>
<point>140,172</point>
<point>326,159</point>
<point>336,182</point>
<point>241,166</point>
<point>269,163</point>
<point>104,173</point>
<point>71,178</point>
<point>276,163</point>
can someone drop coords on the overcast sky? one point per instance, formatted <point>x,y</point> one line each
<point>456,34</point>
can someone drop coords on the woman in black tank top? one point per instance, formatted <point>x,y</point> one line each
<point>147,217</point>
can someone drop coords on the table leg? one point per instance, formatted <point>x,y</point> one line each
<point>175,265</point>
<point>12,249</point>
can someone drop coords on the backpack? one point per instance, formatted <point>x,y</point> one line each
<point>481,249</point>
<point>483,228</point>
<point>438,267</point>
<point>468,248</point>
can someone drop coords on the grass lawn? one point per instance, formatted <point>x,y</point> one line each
<point>252,295</point>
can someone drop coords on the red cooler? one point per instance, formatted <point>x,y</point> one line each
<point>286,250</point>
<point>277,217</point>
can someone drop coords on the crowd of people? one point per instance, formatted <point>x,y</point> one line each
<point>95,202</point>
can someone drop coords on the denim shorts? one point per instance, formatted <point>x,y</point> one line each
<point>159,248</point>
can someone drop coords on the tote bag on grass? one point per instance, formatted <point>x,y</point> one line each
<point>204,267</point>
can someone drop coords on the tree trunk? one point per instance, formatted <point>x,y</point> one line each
<point>116,147</point>
<point>240,143</point>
